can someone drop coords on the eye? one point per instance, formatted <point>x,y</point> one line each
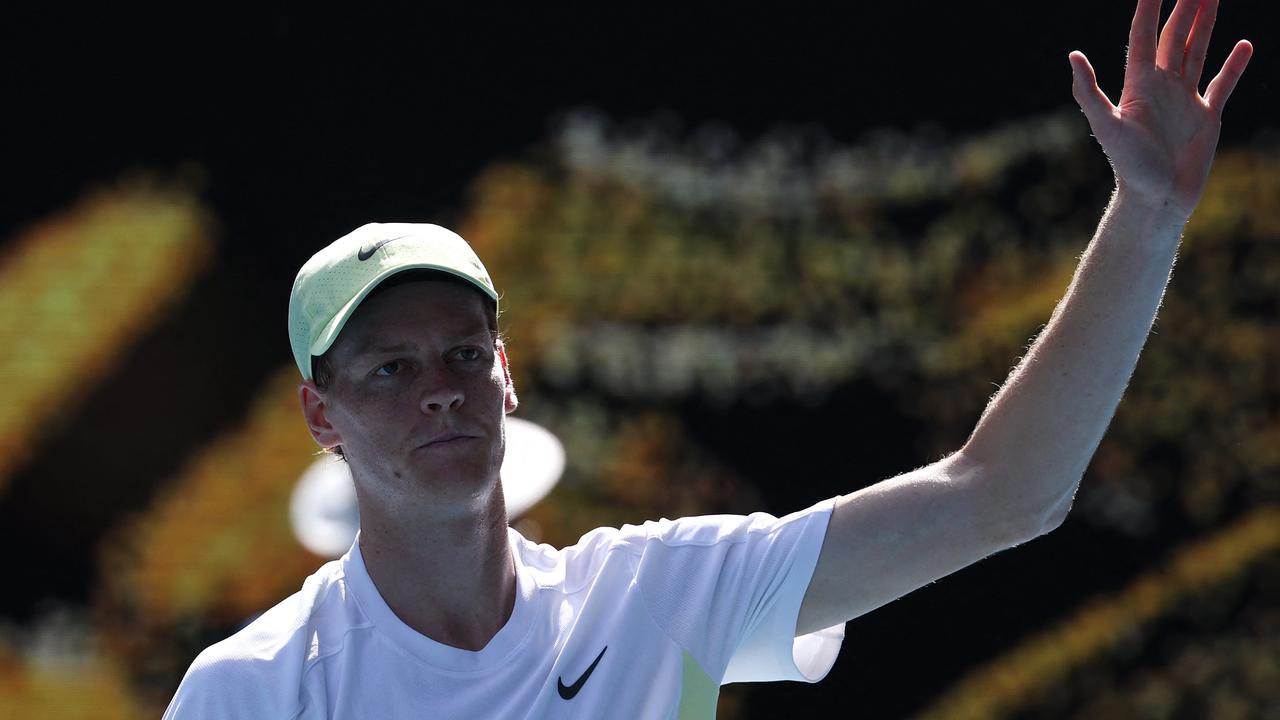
<point>470,353</point>
<point>388,369</point>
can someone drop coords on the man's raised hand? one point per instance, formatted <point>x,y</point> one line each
<point>1162,136</point>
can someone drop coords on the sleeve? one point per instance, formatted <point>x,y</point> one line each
<point>728,589</point>
<point>223,685</point>
<point>211,689</point>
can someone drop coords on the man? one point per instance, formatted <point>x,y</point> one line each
<point>440,610</point>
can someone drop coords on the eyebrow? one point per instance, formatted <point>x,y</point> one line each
<point>371,347</point>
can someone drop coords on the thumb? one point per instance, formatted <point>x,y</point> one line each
<point>1084,88</point>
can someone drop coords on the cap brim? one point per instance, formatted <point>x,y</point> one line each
<point>334,327</point>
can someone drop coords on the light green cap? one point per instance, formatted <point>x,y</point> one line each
<point>332,283</point>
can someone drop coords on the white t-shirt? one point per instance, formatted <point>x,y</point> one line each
<point>640,622</point>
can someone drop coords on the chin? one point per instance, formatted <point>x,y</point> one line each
<point>463,478</point>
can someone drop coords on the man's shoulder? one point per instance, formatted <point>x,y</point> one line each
<point>248,672</point>
<point>711,529</point>
<point>578,563</point>
<point>261,667</point>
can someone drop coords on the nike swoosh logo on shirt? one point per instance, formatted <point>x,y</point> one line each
<point>569,692</point>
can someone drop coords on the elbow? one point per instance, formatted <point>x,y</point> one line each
<point>1028,526</point>
<point>1023,508</point>
<point>1054,519</point>
<point>1051,518</point>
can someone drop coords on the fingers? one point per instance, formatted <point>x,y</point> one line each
<point>1173,40</point>
<point>1084,87</point>
<point>1198,44</point>
<point>1222,85</point>
<point>1142,33</point>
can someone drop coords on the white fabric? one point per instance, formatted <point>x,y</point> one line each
<point>722,590</point>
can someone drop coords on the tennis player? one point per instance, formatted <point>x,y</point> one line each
<point>440,610</point>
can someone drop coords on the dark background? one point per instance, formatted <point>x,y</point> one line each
<point>300,124</point>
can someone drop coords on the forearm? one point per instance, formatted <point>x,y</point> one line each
<point>1038,433</point>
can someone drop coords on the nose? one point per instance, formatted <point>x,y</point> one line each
<point>441,393</point>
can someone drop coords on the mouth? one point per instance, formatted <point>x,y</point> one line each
<point>446,441</point>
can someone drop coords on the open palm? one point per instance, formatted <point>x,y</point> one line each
<point>1162,136</point>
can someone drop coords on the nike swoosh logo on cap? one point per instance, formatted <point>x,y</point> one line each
<point>367,250</point>
<point>569,692</point>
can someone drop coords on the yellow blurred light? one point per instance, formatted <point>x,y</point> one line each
<point>218,544</point>
<point>1000,687</point>
<point>91,690</point>
<point>77,288</point>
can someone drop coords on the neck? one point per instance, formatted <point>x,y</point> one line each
<point>452,578</point>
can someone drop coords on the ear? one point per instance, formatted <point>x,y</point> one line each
<point>315,409</point>
<point>511,400</point>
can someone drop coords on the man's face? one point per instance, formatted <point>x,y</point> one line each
<point>419,390</point>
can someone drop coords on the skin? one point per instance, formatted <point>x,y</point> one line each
<point>1018,472</point>
<point>418,403</point>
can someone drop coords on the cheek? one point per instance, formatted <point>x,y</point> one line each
<point>368,414</point>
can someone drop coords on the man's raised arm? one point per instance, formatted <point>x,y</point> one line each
<point>1016,475</point>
